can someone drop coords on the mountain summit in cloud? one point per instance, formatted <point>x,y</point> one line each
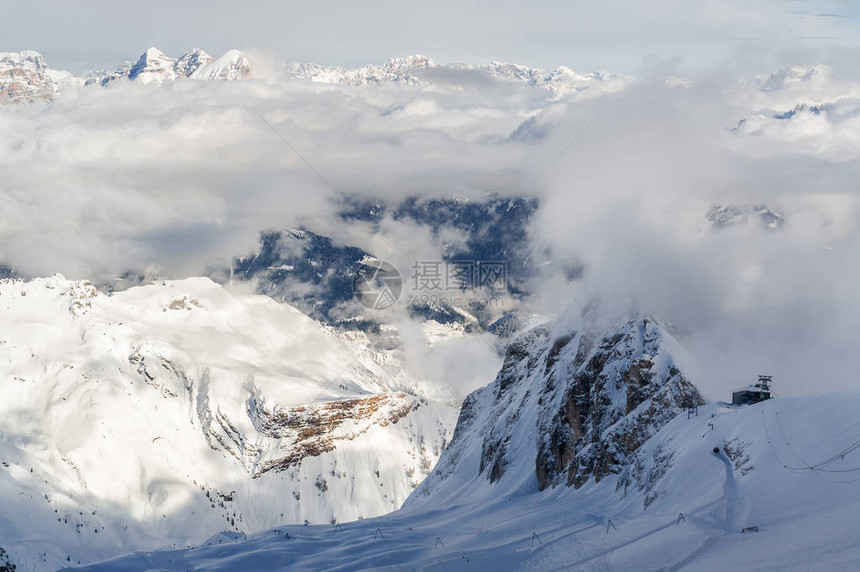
<point>32,76</point>
<point>155,67</point>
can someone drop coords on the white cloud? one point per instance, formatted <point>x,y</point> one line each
<point>184,176</point>
<point>629,205</point>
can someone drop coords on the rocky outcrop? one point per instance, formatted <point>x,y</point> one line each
<point>310,431</point>
<point>567,406</point>
<point>25,77</point>
<point>613,399</point>
<point>279,437</point>
<point>6,564</point>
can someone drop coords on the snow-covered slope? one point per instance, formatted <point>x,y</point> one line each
<point>165,413</point>
<point>771,486</point>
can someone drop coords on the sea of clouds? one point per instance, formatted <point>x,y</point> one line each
<point>180,178</point>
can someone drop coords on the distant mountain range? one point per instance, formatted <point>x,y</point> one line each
<point>418,70</point>
<point>24,76</point>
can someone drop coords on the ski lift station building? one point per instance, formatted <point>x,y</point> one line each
<point>753,393</point>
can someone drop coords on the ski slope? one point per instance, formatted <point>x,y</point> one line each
<point>806,519</point>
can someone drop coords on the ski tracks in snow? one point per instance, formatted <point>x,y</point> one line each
<point>732,507</point>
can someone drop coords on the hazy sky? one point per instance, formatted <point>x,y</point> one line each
<point>617,35</point>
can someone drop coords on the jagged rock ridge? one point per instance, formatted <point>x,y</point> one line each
<point>615,397</point>
<point>565,408</point>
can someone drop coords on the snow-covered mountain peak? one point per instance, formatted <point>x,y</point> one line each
<point>26,59</point>
<point>191,61</point>
<point>796,75</point>
<point>232,65</point>
<point>564,71</point>
<point>25,77</point>
<point>153,66</point>
<point>398,70</point>
<point>410,61</point>
<point>153,54</point>
<point>48,297</point>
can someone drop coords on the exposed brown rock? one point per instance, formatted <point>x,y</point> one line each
<point>311,430</point>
